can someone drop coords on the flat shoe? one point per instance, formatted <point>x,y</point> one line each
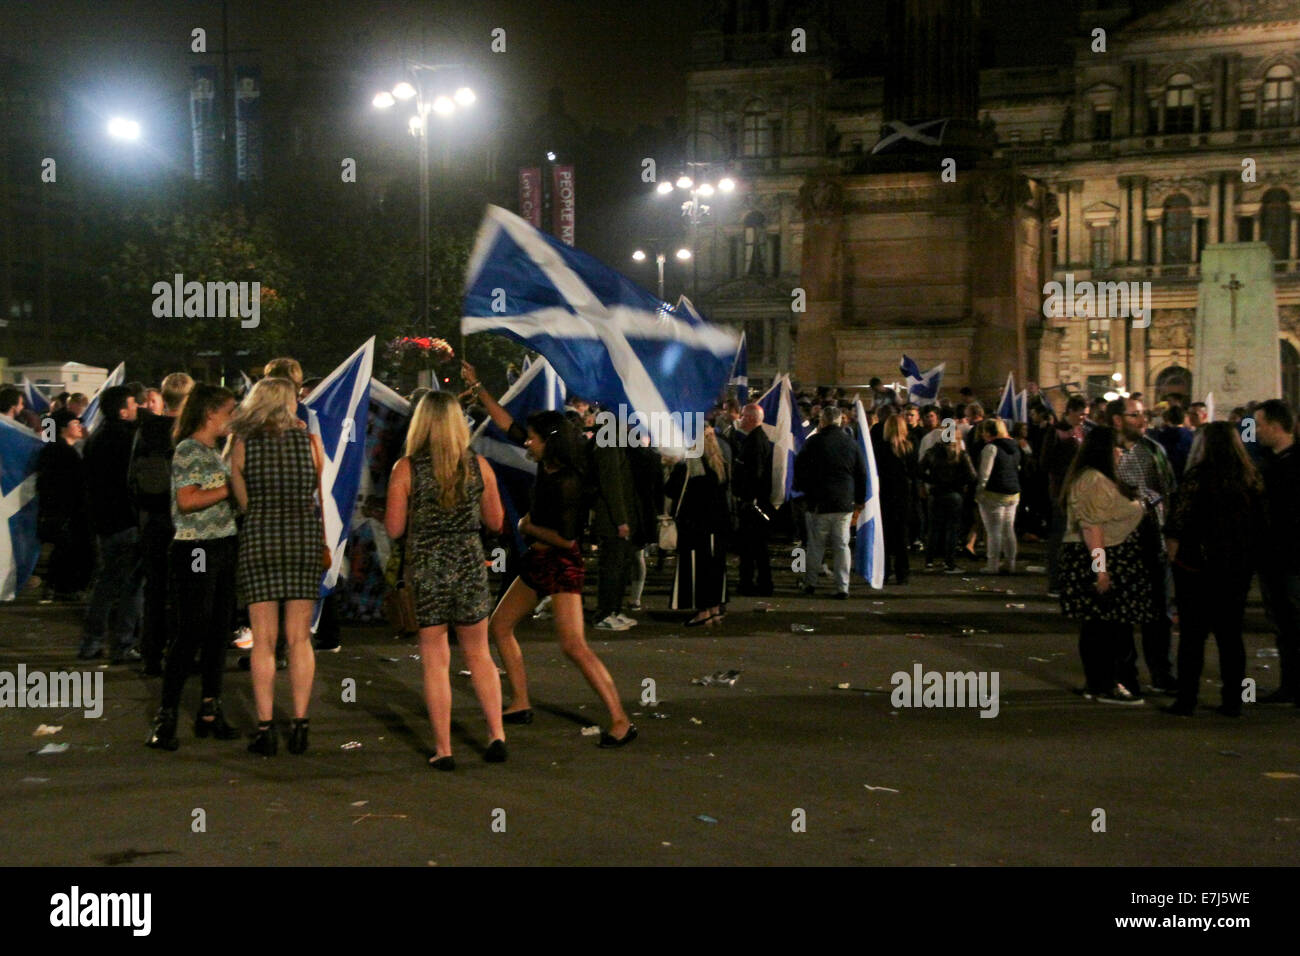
<point>518,717</point>
<point>496,752</point>
<point>442,763</point>
<point>609,741</point>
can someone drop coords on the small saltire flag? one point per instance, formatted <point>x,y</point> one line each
<point>785,429</point>
<point>869,546</point>
<point>537,389</point>
<point>90,418</point>
<point>338,408</point>
<point>609,340</point>
<point>19,545</point>
<point>245,383</point>
<point>33,398</point>
<point>1022,405</point>
<point>1007,403</point>
<point>740,372</point>
<point>921,386</point>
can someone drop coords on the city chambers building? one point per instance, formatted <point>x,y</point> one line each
<point>1119,164</point>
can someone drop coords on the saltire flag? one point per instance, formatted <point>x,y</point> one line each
<point>537,389</point>
<point>895,134</point>
<point>90,418</point>
<point>784,427</point>
<point>740,372</point>
<point>338,408</point>
<point>609,340</point>
<point>921,386</point>
<point>19,545</point>
<point>245,383</point>
<point>1022,405</point>
<point>1007,403</point>
<point>869,546</point>
<point>33,398</point>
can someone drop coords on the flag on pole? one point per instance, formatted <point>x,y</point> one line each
<point>1007,403</point>
<point>1022,405</point>
<point>90,418</point>
<point>537,389</point>
<point>33,398</point>
<point>340,405</point>
<point>609,340</point>
<point>869,547</point>
<point>783,426</point>
<point>1209,406</point>
<point>740,372</point>
<point>19,544</point>
<point>921,386</point>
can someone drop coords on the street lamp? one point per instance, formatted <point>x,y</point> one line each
<point>125,129</point>
<point>427,100</point>
<point>660,258</point>
<point>693,210</point>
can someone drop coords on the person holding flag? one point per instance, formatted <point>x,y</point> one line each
<point>553,563</point>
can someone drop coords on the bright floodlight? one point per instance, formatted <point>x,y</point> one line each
<point>1117,377</point>
<point>444,106</point>
<point>119,128</point>
<point>384,100</point>
<point>550,157</point>
<point>639,256</point>
<point>684,182</point>
<point>1111,396</point>
<point>403,90</point>
<point>415,123</point>
<point>706,190</point>
<point>726,184</point>
<point>664,188</point>
<point>465,96</point>
<point>683,254</point>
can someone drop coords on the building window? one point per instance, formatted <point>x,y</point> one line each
<point>1049,137</point>
<point>1279,97</point>
<point>777,146</point>
<point>756,133</point>
<point>755,240</point>
<point>735,256</point>
<point>1245,229</point>
<point>1056,243</point>
<point>1205,114</point>
<point>774,250</point>
<point>1180,105</point>
<point>1246,111</point>
<point>1178,230</point>
<point>1153,117</point>
<point>1098,338</point>
<point>1275,223</point>
<point>1013,137</point>
<point>1101,246</point>
<point>1101,123</point>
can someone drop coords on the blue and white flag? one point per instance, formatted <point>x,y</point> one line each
<point>785,429</point>
<point>921,386</point>
<point>537,389</point>
<point>339,407</point>
<point>90,418</point>
<point>33,398</point>
<point>1022,405</point>
<point>869,546</point>
<point>740,372</point>
<point>1007,403</point>
<point>609,340</point>
<point>19,544</point>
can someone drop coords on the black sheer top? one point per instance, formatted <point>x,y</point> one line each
<point>557,496</point>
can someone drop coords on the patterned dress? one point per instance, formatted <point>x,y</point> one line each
<point>444,555</point>
<point>282,539</point>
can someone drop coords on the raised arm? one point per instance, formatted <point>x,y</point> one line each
<point>499,415</point>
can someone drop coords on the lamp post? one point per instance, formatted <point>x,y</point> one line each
<point>428,100</point>
<point>694,210</point>
<point>661,258</point>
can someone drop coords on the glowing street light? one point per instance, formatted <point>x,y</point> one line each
<point>126,129</point>
<point>664,188</point>
<point>726,184</point>
<point>403,90</point>
<point>465,96</point>
<point>684,182</point>
<point>639,255</point>
<point>415,124</point>
<point>384,100</point>
<point>444,106</point>
<point>683,254</point>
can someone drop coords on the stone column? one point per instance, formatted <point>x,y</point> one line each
<point>1229,211</point>
<point>1295,240</point>
<point>1214,224</point>
<point>1125,252</point>
<point>1139,184</point>
<point>1159,240</point>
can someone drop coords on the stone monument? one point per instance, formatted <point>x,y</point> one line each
<point>1237,357</point>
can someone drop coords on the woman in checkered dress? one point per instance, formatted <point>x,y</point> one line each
<point>275,475</point>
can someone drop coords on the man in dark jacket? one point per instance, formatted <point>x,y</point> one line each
<point>1279,567</point>
<point>615,522</point>
<point>832,474</point>
<point>115,601</point>
<point>752,484</point>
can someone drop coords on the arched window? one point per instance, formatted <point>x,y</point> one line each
<point>1279,97</point>
<point>757,134</point>
<point>1275,223</point>
<point>755,243</point>
<point>1180,104</point>
<point>1177,225</point>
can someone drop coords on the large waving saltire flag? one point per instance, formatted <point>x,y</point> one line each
<point>921,386</point>
<point>19,545</point>
<point>90,418</point>
<point>609,340</point>
<point>784,427</point>
<point>341,403</point>
<point>33,398</point>
<point>869,546</point>
<point>537,389</point>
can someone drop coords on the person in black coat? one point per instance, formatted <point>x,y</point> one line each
<point>752,485</point>
<point>897,467</point>
<point>832,474</point>
<point>64,517</point>
<point>697,487</point>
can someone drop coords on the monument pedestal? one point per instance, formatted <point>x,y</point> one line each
<point>1237,357</point>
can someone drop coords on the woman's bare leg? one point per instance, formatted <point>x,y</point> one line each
<point>264,619</point>
<point>302,658</point>
<point>517,604</point>
<point>435,659</point>
<point>569,629</point>
<point>483,672</point>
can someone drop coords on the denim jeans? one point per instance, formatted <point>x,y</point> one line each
<point>828,531</point>
<point>115,602</point>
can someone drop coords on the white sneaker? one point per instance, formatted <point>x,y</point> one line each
<point>612,623</point>
<point>629,621</point>
<point>244,638</point>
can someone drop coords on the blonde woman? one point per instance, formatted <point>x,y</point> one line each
<point>275,474</point>
<point>999,493</point>
<point>698,489</point>
<point>438,495</point>
<point>897,466</point>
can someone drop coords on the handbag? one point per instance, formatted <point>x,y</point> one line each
<point>668,523</point>
<point>399,602</point>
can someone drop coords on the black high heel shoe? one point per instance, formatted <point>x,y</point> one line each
<point>163,735</point>
<point>496,752</point>
<point>700,621</point>
<point>298,735</point>
<point>609,740</point>
<point>216,727</point>
<point>518,717</point>
<point>442,763</point>
<point>265,741</point>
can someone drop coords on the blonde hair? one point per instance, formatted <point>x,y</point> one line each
<point>284,368</point>
<point>994,428</point>
<point>438,428</point>
<point>713,454</point>
<point>896,434</point>
<point>175,387</point>
<point>269,408</point>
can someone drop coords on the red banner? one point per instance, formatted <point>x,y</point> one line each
<point>562,203</point>
<point>530,195</point>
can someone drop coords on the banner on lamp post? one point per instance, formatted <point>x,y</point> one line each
<point>562,204</point>
<point>530,195</point>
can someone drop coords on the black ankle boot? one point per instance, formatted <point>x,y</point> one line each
<point>163,734</point>
<point>265,741</point>
<point>217,726</point>
<point>298,736</point>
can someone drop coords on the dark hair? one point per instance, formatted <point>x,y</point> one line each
<point>10,396</point>
<point>1175,415</point>
<point>201,402</point>
<point>928,408</point>
<point>112,400</point>
<point>956,411</point>
<point>1278,412</point>
<point>1076,403</point>
<point>62,419</point>
<point>138,391</point>
<point>1226,482</point>
<point>1115,409</point>
<point>873,383</point>
<point>1096,452</point>
<point>563,444</point>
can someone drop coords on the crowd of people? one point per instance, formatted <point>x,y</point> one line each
<point>188,512</point>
